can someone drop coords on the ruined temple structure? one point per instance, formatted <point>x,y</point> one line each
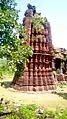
<point>38,74</point>
<point>60,64</point>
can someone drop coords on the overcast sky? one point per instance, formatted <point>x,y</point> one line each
<point>56,13</point>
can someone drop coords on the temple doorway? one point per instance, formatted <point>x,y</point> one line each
<point>57,63</point>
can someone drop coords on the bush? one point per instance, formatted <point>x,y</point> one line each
<point>30,112</point>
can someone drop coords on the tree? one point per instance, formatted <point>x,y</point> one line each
<point>14,49</point>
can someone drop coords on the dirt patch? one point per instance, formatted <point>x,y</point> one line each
<point>45,98</point>
<point>52,99</point>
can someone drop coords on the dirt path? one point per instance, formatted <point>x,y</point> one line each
<point>47,99</point>
<point>40,98</point>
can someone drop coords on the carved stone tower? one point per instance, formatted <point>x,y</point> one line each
<point>38,74</point>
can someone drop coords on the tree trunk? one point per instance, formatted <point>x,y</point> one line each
<point>18,74</point>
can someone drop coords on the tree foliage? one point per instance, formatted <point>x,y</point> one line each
<point>11,47</point>
<point>14,48</point>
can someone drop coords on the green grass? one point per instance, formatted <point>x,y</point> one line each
<point>4,69</point>
<point>62,85</point>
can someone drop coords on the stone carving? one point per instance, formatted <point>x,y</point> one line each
<point>38,74</point>
<point>30,11</point>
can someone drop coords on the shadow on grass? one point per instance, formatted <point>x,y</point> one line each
<point>61,94</point>
<point>6,84</point>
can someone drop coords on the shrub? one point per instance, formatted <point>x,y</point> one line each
<point>28,111</point>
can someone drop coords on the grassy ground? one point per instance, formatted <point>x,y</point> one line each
<point>51,99</point>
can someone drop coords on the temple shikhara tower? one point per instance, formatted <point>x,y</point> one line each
<point>38,74</point>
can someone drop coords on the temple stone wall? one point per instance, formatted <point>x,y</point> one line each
<point>60,64</point>
<point>40,72</point>
<point>38,75</point>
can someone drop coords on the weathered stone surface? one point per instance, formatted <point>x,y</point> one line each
<point>38,76</point>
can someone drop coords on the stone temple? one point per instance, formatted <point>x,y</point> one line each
<point>38,75</point>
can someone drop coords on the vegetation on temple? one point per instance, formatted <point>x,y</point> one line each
<point>38,22</point>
